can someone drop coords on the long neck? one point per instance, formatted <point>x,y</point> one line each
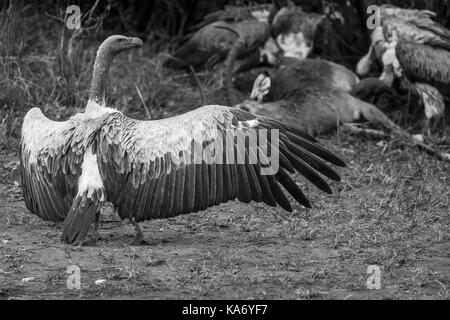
<point>100,76</point>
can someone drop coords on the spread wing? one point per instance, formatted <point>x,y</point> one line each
<point>163,168</point>
<point>51,156</point>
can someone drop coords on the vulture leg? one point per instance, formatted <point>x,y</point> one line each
<point>433,102</point>
<point>93,239</point>
<point>95,235</point>
<point>141,239</point>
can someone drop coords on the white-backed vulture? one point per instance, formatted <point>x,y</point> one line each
<point>53,152</point>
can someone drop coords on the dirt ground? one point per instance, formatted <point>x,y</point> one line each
<point>391,211</point>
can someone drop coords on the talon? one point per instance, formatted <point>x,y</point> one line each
<point>143,241</point>
<point>140,239</point>
<point>95,235</point>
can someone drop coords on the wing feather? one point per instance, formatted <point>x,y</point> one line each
<point>213,185</point>
<point>422,63</point>
<point>425,31</point>
<point>293,188</point>
<point>220,183</point>
<point>51,156</point>
<point>199,188</point>
<point>160,196</point>
<point>189,186</point>
<point>179,190</point>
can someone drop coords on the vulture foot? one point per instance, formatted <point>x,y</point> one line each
<point>93,239</point>
<point>95,235</point>
<point>141,239</point>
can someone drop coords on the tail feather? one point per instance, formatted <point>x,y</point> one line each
<point>91,195</point>
<point>80,217</point>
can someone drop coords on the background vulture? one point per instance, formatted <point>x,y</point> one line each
<point>413,47</point>
<point>211,43</point>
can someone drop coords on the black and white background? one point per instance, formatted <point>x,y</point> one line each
<point>382,234</point>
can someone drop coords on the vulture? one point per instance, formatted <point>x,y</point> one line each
<point>411,46</point>
<point>54,154</point>
<point>310,101</point>
<point>216,36</point>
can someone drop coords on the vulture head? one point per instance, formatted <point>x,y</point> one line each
<point>261,87</point>
<point>117,43</point>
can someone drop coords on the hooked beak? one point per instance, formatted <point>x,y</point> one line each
<point>135,42</point>
<point>254,94</point>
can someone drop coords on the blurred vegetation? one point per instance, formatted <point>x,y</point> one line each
<point>44,64</point>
